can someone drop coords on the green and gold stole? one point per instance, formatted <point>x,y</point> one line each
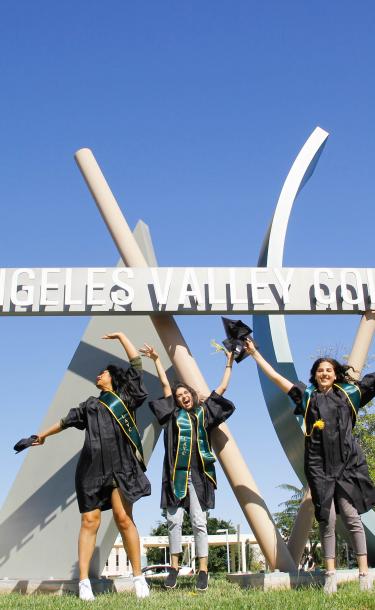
<point>184,449</point>
<point>122,415</point>
<point>351,391</point>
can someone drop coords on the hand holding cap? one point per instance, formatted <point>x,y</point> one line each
<point>24,443</point>
<point>237,332</point>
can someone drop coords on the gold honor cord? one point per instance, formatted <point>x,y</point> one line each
<point>350,390</point>
<point>122,415</point>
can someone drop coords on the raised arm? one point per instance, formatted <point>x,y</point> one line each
<point>128,346</point>
<point>55,429</point>
<point>227,373</point>
<point>284,384</point>
<point>150,352</point>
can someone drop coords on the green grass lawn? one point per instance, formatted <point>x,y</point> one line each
<point>220,595</point>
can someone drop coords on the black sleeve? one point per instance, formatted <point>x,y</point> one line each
<point>217,409</point>
<point>163,409</point>
<point>135,388</point>
<point>367,387</point>
<point>76,418</point>
<point>296,394</point>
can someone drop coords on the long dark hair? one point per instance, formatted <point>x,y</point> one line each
<point>341,370</point>
<point>181,384</point>
<point>119,381</point>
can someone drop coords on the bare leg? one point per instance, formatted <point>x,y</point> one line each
<point>86,542</point>
<point>362,564</point>
<point>330,564</point>
<point>123,515</point>
<point>174,561</point>
<point>203,564</point>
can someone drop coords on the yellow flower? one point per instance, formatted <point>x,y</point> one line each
<point>320,424</point>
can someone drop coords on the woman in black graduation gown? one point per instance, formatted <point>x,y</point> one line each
<point>335,466</point>
<point>110,469</point>
<point>188,480</point>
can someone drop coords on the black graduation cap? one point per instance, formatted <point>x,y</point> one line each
<point>236,332</point>
<point>24,443</point>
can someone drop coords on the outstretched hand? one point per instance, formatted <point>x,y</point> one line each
<point>112,336</point>
<point>149,352</point>
<point>250,347</point>
<point>38,441</point>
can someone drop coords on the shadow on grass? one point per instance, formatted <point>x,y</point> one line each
<point>183,584</point>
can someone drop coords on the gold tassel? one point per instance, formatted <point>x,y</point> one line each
<point>319,424</point>
<point>217,346</point>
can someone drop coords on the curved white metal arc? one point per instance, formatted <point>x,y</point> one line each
<point>270,331</point>
<point>300,172</point>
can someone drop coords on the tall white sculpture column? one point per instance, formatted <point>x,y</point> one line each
<point>231,460</point>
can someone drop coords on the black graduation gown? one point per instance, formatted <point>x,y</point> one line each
<point>107,459</point>
<point>333,457</point>
<point>216,410</point>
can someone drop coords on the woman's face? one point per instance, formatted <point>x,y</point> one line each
<point>184,398</point>
<point>104,381</point>
<point>325,376</point>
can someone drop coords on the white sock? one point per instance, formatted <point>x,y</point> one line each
<point>141,587</point>
<point>85,591</point>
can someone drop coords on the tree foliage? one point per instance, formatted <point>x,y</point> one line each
<point>364,431</point>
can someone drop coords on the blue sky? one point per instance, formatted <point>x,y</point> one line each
<point>195,111</point>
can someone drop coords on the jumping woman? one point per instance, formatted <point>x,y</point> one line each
<point>335,466</point>
<point>110,469</point>
<point>188,480</point>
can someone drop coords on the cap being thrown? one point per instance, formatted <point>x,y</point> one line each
<point>24,443</point>
<point>237,332</point>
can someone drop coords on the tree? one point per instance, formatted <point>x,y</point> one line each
<point>217,556</point>
<point>364,431</point>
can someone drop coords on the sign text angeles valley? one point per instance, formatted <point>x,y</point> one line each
<point>185,290</point>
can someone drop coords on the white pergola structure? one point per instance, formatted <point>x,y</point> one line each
<point>118,564</point>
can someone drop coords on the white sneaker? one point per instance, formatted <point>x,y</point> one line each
<point>141,587</point>
<point>330,583</point>
<point>85,591</point>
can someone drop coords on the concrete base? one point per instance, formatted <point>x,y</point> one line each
<point>257,580</point>
<point>291,580</point>
<point>62,587</point>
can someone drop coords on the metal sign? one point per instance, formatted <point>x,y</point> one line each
<point>187,290</point>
